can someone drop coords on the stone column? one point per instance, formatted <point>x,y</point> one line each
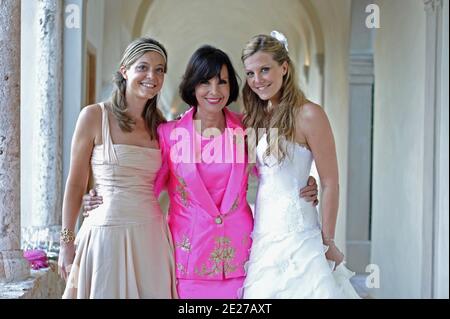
<point>13,266</point>
<point>47,144</point>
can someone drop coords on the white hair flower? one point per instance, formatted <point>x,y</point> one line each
<point>280,37</point>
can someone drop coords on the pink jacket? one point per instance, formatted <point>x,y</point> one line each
<point>211,243</point>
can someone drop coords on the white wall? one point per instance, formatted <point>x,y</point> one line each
<point>94,36</point>
<point>117,34</point>
<point>441,284</point>
<point>335,20</point>
<point>359,139</point>
<point>27,98</point>
<point>314,84</point>
<point>397,195</point>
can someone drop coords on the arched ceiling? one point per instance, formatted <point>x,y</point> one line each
<point>182,26</point>
<point>141,13</point>
<point>130,10</point>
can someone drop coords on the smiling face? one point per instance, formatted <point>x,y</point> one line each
<point>212,95</point>
<point>265,76</point>
<point>145,77</point>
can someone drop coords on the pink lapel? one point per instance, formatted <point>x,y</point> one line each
<point>189,170</point>
<point>237,176</point>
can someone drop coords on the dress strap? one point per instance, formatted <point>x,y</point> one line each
<point>109,154</point>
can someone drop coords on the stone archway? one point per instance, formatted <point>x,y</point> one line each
<point>144,7</point>
<point>300,24</point>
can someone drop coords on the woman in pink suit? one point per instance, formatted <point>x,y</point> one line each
<point>209,216</point>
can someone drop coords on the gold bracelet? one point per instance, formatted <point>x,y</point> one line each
<point>67,236</point>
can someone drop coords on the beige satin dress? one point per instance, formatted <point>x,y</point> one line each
<point>124,248</point>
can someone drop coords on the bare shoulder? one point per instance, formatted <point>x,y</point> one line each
<point>91,113</point>
<point>311,119</point>
<point>89,123</point>
<point>310,112</point>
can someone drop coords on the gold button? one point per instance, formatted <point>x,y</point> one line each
<point>218,220</point>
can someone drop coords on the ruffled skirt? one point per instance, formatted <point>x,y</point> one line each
<point>293,266</point>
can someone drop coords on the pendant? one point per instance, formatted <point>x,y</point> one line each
<point>218,220</point>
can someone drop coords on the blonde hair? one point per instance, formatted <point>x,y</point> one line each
<point>256,113</point>
<point>151,114</point>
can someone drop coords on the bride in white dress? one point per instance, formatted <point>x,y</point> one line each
<point>293,253</point>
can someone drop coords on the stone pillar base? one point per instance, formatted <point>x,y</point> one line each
<point>13,266</point>
<point>41,284</point>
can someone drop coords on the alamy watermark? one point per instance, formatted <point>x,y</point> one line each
<point>373,19</point>
<point>72,16</point>
<point>72,19</point>
<point>373,279</point>
<point>235,145</point>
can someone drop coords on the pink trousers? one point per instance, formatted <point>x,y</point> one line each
<point>209,289</point>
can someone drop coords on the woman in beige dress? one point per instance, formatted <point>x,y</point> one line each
<point>124,250</point>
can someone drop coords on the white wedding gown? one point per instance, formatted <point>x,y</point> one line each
<point>287,258</point>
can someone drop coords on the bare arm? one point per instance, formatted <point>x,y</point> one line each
<point>315,127</point>
<point>82,144</point>
<point>81,150</point>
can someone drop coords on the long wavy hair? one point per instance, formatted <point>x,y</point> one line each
<point>151,114</point>
<point>282,117</point>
